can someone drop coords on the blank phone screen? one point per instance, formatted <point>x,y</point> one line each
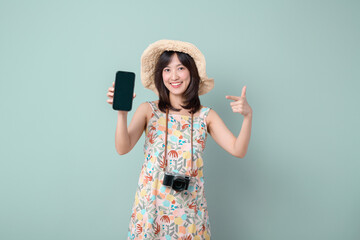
<point>124,90</point>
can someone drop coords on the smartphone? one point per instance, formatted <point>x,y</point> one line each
<point>124,91</point>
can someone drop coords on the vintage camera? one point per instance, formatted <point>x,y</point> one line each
<point>178,182</point>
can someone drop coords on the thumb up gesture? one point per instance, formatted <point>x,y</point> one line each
<point>240,104</point>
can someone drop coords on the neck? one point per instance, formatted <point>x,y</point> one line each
<point>176,101</point>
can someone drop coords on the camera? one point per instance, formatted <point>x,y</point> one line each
<point>178,182</point>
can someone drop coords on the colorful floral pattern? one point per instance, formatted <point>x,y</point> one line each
<point>158,211</point>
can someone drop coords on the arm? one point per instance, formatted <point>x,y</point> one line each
<point>225,138</point>
<point>222,135</point>
<point>242,142</point>
<point>127,137</point>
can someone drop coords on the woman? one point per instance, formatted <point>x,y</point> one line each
<point>170,199</point>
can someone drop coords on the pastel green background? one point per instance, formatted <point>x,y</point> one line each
<point>60,175</point>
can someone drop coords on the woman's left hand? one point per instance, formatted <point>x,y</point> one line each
<point>240,105</point>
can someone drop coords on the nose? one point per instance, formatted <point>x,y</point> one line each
<point>174,75</point>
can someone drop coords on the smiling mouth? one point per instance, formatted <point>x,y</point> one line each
<point>176,84</point>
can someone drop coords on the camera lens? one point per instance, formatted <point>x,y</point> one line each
<point>179,184</point>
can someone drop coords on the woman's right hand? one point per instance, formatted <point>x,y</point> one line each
<point>110,95</point>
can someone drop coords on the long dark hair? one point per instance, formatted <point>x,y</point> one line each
<point>191,94</point>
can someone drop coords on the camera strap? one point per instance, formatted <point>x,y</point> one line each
<point>166,134</point>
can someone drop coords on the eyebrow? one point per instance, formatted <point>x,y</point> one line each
<point>176,65</point>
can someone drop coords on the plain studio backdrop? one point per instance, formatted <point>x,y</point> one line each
<point>60,175</point>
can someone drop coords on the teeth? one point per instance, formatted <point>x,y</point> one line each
<point>175,84</point>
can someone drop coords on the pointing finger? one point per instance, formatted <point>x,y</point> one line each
<point>232,97</point>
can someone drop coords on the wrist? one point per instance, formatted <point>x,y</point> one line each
<point>249,115</point>
<point>122,113</point>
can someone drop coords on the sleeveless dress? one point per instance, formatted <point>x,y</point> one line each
<point>159,212</point>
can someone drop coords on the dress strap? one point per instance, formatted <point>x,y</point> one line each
<point>154,108</point>
<point>204,112</point>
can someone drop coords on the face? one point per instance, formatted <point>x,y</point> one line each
<point>176,77</point>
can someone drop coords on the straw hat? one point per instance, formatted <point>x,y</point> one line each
<point>152,53</point>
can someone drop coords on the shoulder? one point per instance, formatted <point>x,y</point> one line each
<point>144,106</point>
<point>215,123</point>
<point>147,109</point>
<point>211,117</point>
<point>143,113</point>
<point>143,109</point>
<point>208,113</point>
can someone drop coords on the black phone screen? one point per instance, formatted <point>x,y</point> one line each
<point>124,90</point>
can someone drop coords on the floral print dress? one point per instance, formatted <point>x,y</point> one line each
<point>159,212</point>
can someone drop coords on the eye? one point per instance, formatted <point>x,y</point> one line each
<point>165,70</point>
<point>181,68</point>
